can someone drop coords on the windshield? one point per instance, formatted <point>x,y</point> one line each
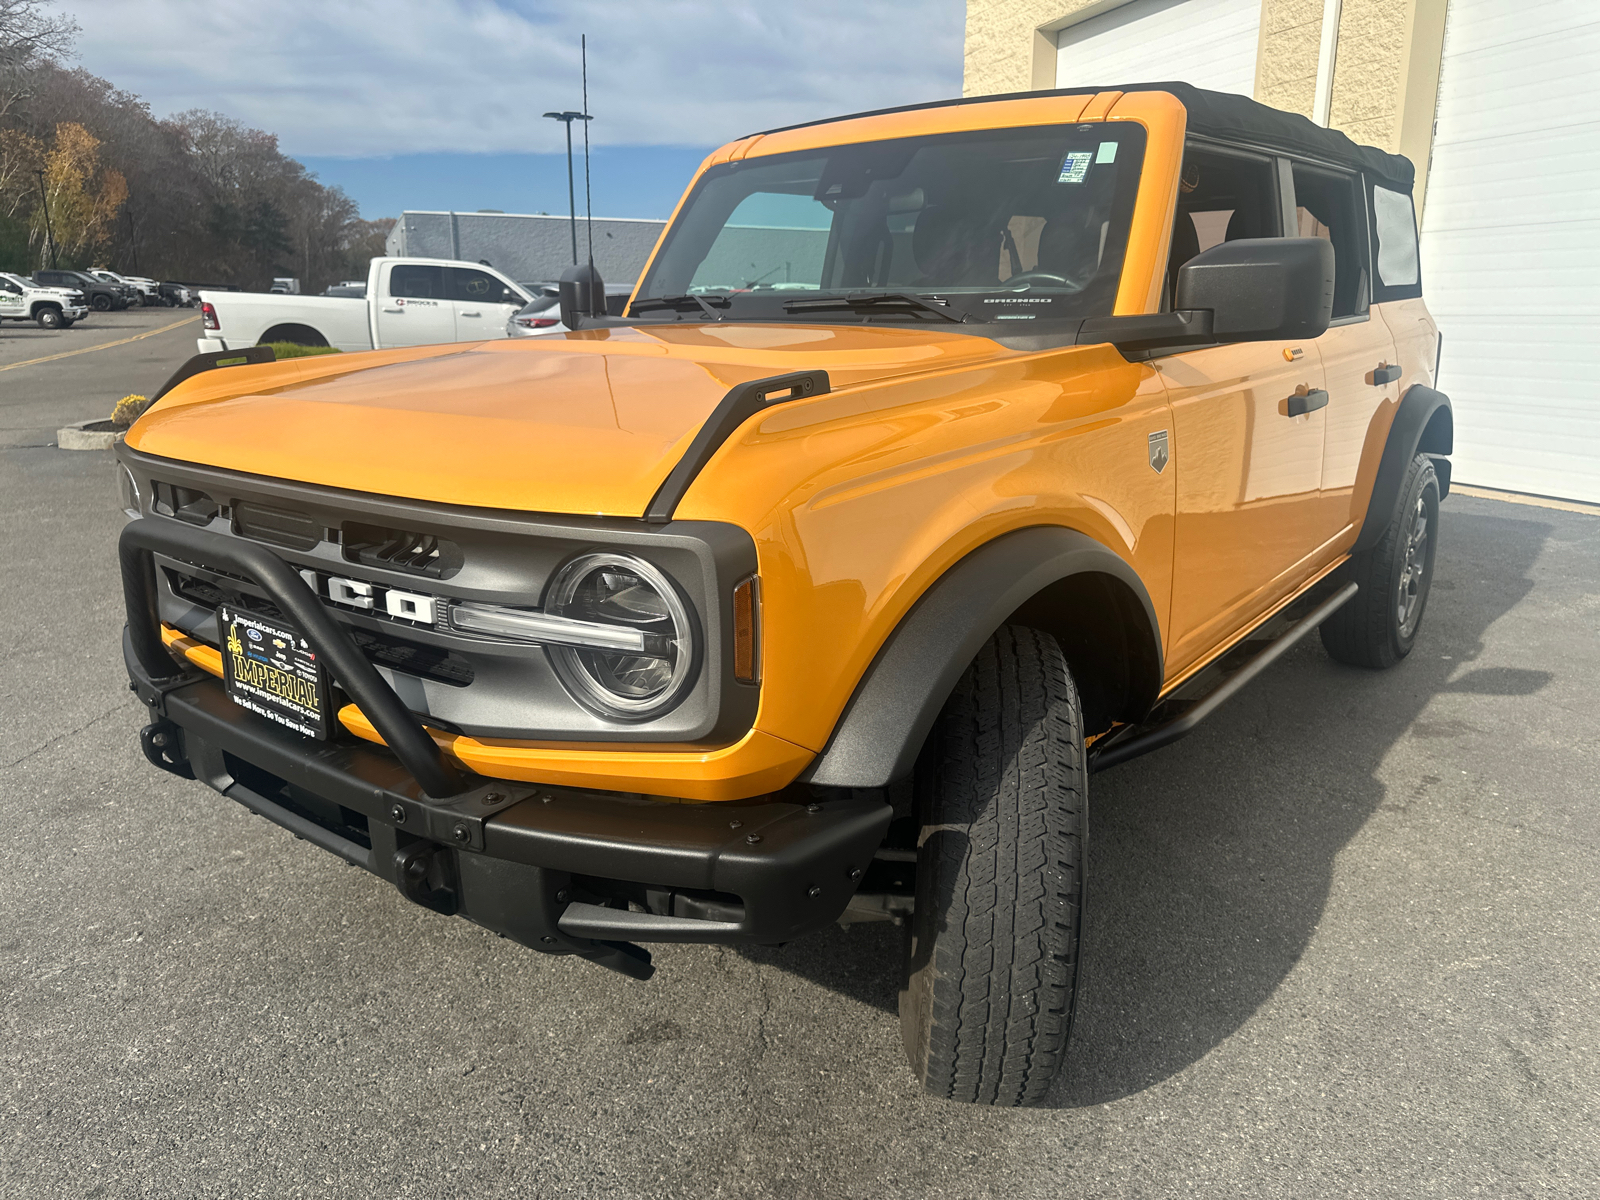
<point>1007,224</point>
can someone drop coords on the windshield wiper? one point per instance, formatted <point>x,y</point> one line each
<point>866,302</point>
<point>685,303</point>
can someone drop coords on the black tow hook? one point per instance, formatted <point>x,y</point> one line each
<point>424,877</point>
<point>162,743</point>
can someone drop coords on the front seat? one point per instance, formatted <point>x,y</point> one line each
<point>945,247</point>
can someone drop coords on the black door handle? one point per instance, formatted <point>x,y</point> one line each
<point>1303,401</point>
<point>1384,374</point>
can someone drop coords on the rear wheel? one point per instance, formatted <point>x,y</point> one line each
<point>1379,626</point>
<point>48,318</point>
<point>992,956</point>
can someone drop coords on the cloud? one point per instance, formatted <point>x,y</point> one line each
<point>363,77</point>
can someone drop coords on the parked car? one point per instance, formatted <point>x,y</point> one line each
<point>48,307</point>
<point>102,296</point>
<point>177,295</point>
<point>148,290</point>
<point>541,316</point>
<point>777,604</point>
<point>406,302</point>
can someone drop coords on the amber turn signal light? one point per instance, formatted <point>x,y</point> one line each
<point>747,630</point>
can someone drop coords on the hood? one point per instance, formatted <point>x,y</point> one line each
<point>585,423</point>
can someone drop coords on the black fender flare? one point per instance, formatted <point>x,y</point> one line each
<point>881,731</point>
<point>1416,415</point>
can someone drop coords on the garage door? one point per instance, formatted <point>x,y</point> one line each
<point>1511,243</point>
<point>1209,43</point>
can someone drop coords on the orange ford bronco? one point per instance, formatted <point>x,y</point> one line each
<point>944,456</point>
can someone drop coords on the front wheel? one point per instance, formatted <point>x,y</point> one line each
<point>992,955</point>
<point>48,318</point>
<point>1379,626</point>
<point>102,303</point>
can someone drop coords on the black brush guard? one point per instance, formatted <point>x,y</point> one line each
<point>513,857</point>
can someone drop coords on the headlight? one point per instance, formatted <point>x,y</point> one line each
<point>620,590</point>
<point>620,638</point>
<point>127,490</point>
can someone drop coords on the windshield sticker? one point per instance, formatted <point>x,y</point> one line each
<point>1075,166</point>
<point>1108,153</point>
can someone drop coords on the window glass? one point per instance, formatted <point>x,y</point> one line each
<point>1328,205</point>
<point>1222,198</point>
<point>477,287</point>
<point>1394,223</point>
<point>417,282</point>
<point>955,217</point>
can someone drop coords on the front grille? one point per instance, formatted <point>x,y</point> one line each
<point>401,550</point>
<point>410,658</point>
<point>291,530</point>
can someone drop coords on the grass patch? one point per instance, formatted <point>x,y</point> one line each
<point>295,350</point>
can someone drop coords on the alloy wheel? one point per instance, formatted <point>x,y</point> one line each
<point>1413,572</point>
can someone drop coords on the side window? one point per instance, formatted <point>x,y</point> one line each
<point>1222,197</point>
<point>478,287</point>
<point>1394,234</point>
<point>417,282</point>
<point>1329,205</point>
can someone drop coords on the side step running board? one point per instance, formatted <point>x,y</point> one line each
<point>1135,740</point>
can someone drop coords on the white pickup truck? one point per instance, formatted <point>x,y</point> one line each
<point>409,302</point>
<point>21,299</point>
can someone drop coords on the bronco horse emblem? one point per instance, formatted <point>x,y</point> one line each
<point>1158,451</point>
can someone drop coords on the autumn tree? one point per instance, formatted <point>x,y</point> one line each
<point>84,197</point>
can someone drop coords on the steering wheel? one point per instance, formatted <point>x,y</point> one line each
<point>1035,277</point>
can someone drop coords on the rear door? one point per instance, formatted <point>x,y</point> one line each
<point>483,302</point>
<point>413,309</point>
<point>1356,348</point>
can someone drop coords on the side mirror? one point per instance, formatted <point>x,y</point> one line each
<point>1251,290</point>
<point>583,294</point>
<point>1261,289</point>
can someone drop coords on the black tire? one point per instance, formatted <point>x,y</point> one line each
<point>101,302</point>
<point>66,322</point>
<point>48,318</point>
<point>992,955</point>
<point>1378,628</point>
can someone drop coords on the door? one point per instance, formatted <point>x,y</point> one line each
<point>1511,243</point>
<point>483,302</point>
<point>413,309</point>
<point>1332,205</point>
<point>11,300</point>
<point>1248,426</point>
<point>1209,43</point>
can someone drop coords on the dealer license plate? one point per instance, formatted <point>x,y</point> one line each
<point>271,670</point>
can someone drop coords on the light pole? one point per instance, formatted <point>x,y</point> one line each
<point>567,118</point>
<point>49,234</point>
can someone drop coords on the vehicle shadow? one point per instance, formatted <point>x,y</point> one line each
<point>1210,862</point>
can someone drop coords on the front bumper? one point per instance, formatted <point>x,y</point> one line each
<point>546,866</point>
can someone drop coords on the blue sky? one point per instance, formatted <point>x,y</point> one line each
<point>430,104</point>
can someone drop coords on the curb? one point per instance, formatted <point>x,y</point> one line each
<point>82,437</point>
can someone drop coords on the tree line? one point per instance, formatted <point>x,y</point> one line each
<point>90,175</point>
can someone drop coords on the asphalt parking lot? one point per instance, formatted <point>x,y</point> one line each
<point>1342,941</point>
<point>53,377</point>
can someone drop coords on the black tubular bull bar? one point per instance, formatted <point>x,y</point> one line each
<point>393,721</point>
<point>521,859</point>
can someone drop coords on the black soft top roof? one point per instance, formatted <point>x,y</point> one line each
<point>1222,115</point>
